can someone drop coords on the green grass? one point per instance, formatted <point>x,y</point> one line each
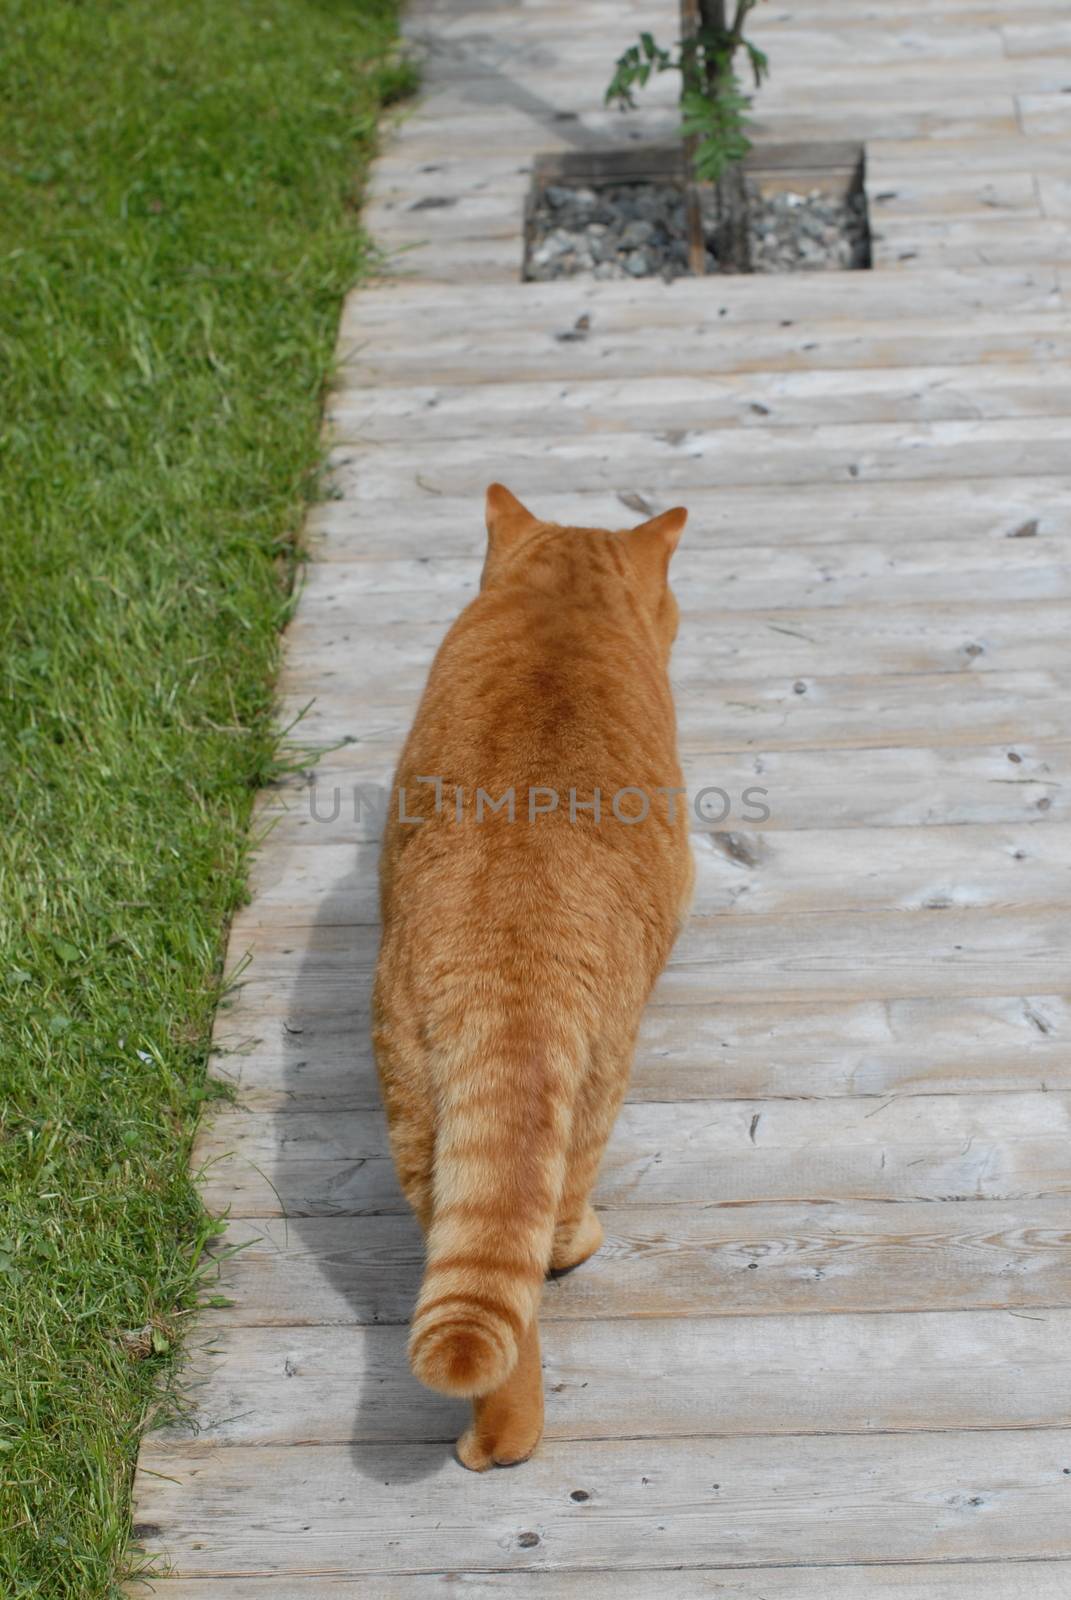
<point>178,184</point>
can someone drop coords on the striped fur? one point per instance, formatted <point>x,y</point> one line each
<point>518,953</point>
<point>493,1222</point>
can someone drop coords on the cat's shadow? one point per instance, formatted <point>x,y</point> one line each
<point>400,1431</point>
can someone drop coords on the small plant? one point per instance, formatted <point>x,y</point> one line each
<point>713,105</point>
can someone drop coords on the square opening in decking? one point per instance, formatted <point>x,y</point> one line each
<point>622,213</point>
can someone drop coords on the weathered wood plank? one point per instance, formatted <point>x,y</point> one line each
<point>851,511</point>
<point>927,41</point>
<point>738,578</point>
<point>646,1378</point>
<point>313,1186</point>
<point>867,96</point>
<point>692,1136</point>
<point>702,457</point>
<point>750,873</point>
<point>980,241</point>
<point>539,15</point>
<point>1045,113</point>
<point>835,955</point>
<point>298,1162</point>
<point>491,213</point>
<point>1002,1580</point>
<point>693,1503</point>
<point>436,313</point>
<point>710,343</point>
<point>789,1258</point>
<point>390,662</point>
<point>1030,38</point>
<point>423,136</point>
<point>1055,195</point>
<point>565,77</point>
<point>875,302</point>
<point>356,414</point>
<point>898,786</point>
<point>319,1055</point>
<point>826,713</point>
<point>906,159</point>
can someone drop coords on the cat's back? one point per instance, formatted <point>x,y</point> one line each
<point>547,688</point>
<point>545,730</point>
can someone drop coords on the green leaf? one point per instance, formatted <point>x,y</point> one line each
<point>633,69</point>
<point>760,62</point>
<point>66,951</point>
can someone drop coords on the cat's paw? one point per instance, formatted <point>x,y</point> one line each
<point>509,1449</point>
<point>581,1243</point>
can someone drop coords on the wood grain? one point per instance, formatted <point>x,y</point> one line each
<point>1002,1580</point>
<point>801,399</point>
<point>688,1503</point>
<point>800,1258</point>
<point>319,1056</point>
<point>305,1162</point>
<point>730,577</point>
<point>902,786</point>
<point>748,872</point>
<point>780,344</point>
<point>851,511</point>
<point>890,954</point>
<point>718,1375</point>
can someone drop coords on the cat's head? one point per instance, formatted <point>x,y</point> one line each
<point>521,549</point>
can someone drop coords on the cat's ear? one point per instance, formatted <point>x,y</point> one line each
<point>507,520</point>
<point>652,543</point>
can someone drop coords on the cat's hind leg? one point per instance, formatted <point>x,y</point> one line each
<point>401,1059</point>
<point>575,1240</point>
<point>578,1232</point>
<point>507,1424</point>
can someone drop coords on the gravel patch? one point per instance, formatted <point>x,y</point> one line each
<point>639,230</point>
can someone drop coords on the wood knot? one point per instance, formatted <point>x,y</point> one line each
<point>737,846</point>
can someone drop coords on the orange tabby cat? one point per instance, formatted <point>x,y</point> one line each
<point>518,951</point>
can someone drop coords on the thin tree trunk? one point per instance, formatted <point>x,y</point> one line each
<point>732,244</point>
<point>732,241</point>
<point>697,245</point>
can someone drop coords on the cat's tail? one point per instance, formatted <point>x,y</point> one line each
<point>502,1132</point>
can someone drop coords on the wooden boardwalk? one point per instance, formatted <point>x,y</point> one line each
<point>826,1351</point>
